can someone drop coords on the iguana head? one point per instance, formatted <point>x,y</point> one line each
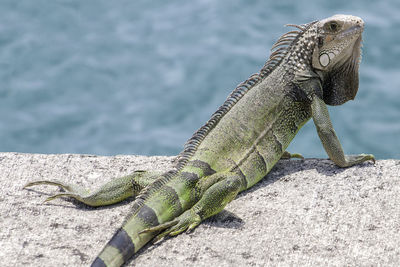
<point>329,48</point>
<point>336,56</point>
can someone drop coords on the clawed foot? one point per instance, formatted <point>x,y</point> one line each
<point>76,192</point>
<point>351,160</point>
<point>288,155</point>
<point>112,192</point>
<point>364,157</point>
<point>187,221</point>
<point>369,157</point>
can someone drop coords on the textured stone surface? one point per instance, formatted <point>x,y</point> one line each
<point>304,213</point>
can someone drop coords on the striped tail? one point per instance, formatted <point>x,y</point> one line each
<point>124,244</point>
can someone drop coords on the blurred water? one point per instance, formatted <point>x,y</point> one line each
<point>139,77</point>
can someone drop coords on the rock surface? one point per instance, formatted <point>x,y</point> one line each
<point>303,213</point>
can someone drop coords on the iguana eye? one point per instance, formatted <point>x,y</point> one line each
<point>333,26</point>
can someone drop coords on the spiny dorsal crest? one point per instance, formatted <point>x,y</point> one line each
<point>295,45</point>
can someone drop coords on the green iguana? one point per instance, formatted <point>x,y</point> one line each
<point>310,67</point>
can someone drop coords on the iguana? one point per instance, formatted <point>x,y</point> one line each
<point>310,67</point>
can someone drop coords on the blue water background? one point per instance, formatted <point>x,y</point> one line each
<point>139,77</point>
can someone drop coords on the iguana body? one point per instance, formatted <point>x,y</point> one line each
<point>309,68</point>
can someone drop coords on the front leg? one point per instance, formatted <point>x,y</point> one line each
<point>329,139</point>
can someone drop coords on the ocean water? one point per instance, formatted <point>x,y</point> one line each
<point>139,77</point>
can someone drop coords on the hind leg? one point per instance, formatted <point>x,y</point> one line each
<point>112,192</point>
<point>219,189</point>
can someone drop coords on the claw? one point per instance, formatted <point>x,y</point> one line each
<point>116,190</point>
<point>160,236</point>
<point>59,184</point>
<point>67,187</point>
<point>187,221</point>
<point>178,231</point>
<point>59,195</point>
<point>192,226</point>
<point>366,157</point>
<point>288,155</point>
<point>168,227</point>
<point>45,182</point>
<point>296,155</point>
<point>73,191</point>
<point>160,227</point>
<point>371,157</point>
<point>183,227</point>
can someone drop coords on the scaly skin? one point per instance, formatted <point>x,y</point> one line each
<point>308,69</point>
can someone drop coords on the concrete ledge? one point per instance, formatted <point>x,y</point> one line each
<point>304,213</point>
